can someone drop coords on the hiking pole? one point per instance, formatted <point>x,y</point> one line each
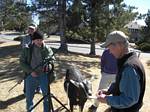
<point>12,87</point>
<point>19,82</point>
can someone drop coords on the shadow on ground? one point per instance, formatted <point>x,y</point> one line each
<point>5,104</point>
<point>10,51</point>
<point>9,63</point>
<point>10,69</point>
<point>63,61</point>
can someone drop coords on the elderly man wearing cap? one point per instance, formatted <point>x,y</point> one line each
<point>126,94</point>
<point>26,41</point>
<point>28,38</point>
<point>108,75</point>
<point>30,61</point>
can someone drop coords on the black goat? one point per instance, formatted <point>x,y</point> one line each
<point>77,87</point>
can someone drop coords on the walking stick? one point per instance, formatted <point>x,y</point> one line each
<point>19,82</point>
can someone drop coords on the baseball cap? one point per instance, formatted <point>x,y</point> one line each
<point>114,37</point>
<point>37,35</point>
<point>32,26</point>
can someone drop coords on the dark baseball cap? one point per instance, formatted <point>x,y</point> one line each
<point>37,35</point>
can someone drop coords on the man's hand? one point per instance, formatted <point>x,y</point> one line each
<point>34,74</point>
<point>102,98</point>
<point>19,81</point>
<point>104,91</point>
<point>45,69</point>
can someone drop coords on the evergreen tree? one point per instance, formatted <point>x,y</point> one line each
<point>14,15</point>
<point>52,15</point>
<point>95,19</point>
<point>88,20</point>
<point>146,30</point>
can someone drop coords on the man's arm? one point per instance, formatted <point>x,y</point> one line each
<point>103,61</point>
<point>23,62</point>
<point>111,88</point>
<point>26,40</point>
<point>129,88</point>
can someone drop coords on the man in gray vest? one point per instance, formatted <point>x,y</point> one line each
<point>126,94</point>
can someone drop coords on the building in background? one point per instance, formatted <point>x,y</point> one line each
<point>134,31</point>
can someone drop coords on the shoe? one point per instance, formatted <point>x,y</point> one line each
<point>92,109</point>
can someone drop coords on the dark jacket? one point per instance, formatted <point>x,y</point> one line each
<point>26,55</point>
<point>130,60</point>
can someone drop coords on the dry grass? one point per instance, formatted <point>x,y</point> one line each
<point>10,73</point>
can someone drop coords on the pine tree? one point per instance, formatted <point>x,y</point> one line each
<point>146,31</point>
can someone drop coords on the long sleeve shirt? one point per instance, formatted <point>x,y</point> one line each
<point>25,58</point>
<point>108,63</point>
<point>129,88</point>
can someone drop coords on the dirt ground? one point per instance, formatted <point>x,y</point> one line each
<point>10,73</point>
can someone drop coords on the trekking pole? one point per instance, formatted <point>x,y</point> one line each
<point>19,82</point>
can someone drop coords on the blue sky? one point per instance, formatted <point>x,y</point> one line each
<point>142,5</point>
<point>28,1</point>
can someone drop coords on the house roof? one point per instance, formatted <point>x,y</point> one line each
<point>133,25</point>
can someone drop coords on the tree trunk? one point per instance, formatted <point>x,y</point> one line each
<point>92,47</point>
<point>62,10</point>
<point>93,27</point>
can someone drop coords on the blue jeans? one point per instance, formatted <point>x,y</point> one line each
<point>31,84</point>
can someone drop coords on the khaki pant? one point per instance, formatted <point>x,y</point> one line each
<point>106,80</point>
